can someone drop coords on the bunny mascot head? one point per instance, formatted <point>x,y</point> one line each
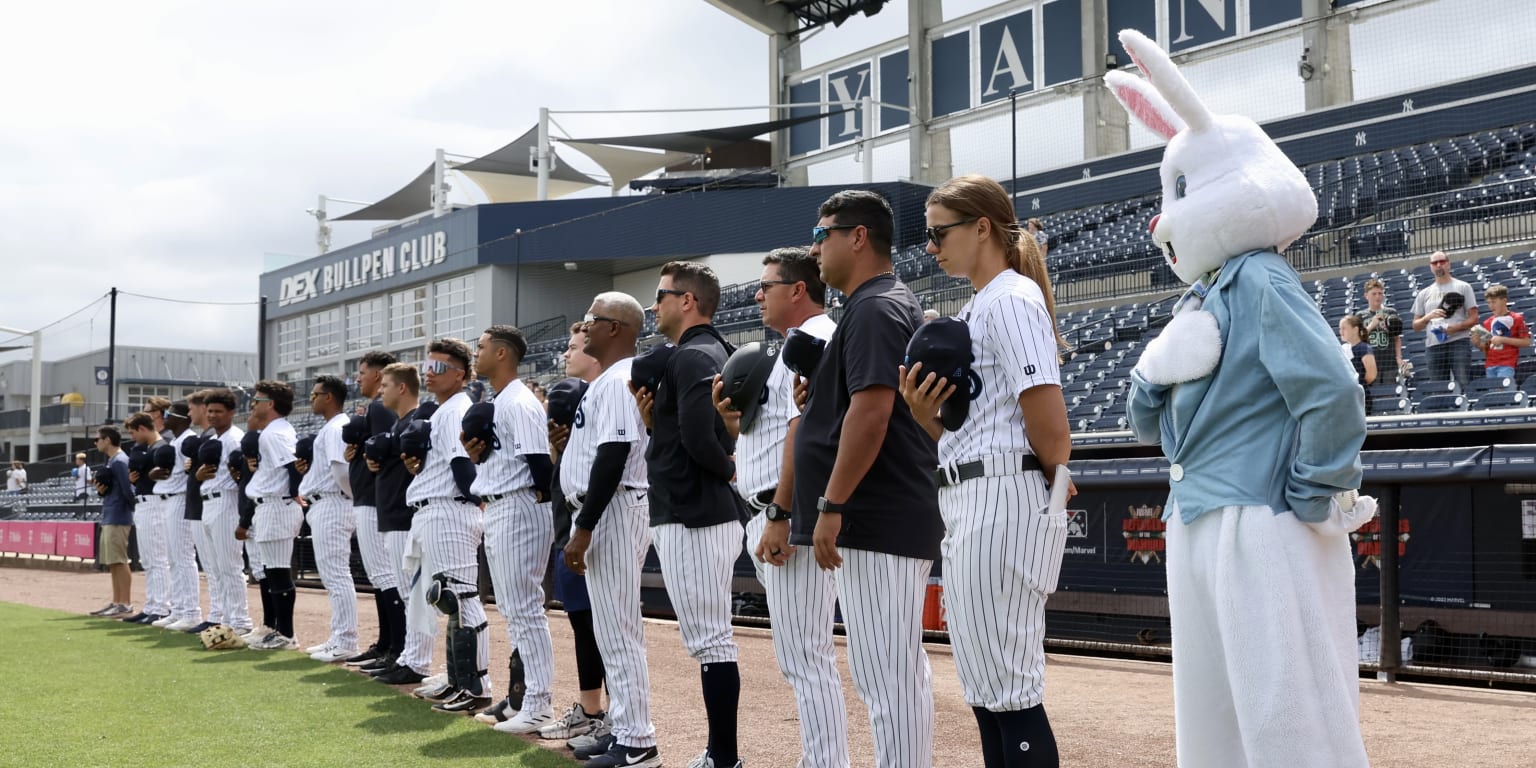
<point>1262,423</point>
<point>1227,189</point>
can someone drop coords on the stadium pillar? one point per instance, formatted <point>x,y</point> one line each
<point>112,360</point>
<point>783,57</point>
<point>439,186</point>
<point>541,156</point>
<point>1391,627</point>
<point>1325,66</point>
<point>929,151</point>
<point>35,424</point>
<point>261,339</point>
<point>1106,126</point>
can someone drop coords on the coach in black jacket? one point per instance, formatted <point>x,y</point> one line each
<point>696,517</point>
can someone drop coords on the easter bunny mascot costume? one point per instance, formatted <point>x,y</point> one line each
<point>1262,423</point>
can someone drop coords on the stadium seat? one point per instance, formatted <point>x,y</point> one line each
<point>1503,399</point>
<point>1442,403</point>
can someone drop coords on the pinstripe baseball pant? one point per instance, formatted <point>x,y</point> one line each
<point>273,530</point>
<point>518,533</point>
<point>221,562</point>
<point>802,604</point>
<point>445,538</point>
<point>330,534</point>
<point>993,542</point>
<point>882,598</point>
<point>614,560</point>
<point>696,566</point>
<point>375,553</point>
<point>185,602</point>
<point>154,554</point>
<point>417,653</point>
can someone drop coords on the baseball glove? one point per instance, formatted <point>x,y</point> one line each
<point>221,638</point>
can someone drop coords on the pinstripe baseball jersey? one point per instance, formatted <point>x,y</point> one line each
<point>435,481</point>
<point>606,414</point>
<point>177,482</point>
<point>221,479</point>
<point>271,477</point>
<point>760,451</point>
<point>329,449</point>
<point>1013,345</point>
<point>521,428</point>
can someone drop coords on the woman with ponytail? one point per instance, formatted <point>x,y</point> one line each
<point>1002,546</point>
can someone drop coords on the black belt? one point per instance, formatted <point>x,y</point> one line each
<point>573,503</point>
<point>160,496</point>
<point>760,501</point>
<point>958,473</point>
<point>490,497</point>
<point>272,499</point>
<point>211,496</point>
<point>319,496</point>
<point>425,502</point>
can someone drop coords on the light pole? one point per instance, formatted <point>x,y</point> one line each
<point>37,389</point>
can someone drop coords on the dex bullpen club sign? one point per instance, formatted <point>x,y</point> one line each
<point>359,269</point>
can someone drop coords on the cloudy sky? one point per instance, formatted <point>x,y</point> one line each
<point>169,148</point>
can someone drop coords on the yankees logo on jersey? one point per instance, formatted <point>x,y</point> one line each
<point>607,414</point>
<point>520,428</point>
<point>760,451</point>
<point>435,481</point>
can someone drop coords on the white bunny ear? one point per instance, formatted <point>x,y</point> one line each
<point>1165,77</point>
<point>1144,103</point>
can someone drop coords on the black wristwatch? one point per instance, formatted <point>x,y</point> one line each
<point>775,513</point>
<point>823,505</point>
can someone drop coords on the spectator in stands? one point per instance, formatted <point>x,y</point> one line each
<point>538,391</point>
<point>1445,311</point>
<point>117,504</point>
<point>1037,231</point>
<point>1359,354</point>
<point>1503,335</point>
<point>930,315</point>
<point>16,478</point>
<point>82,474</point>
<point>1384,332</point>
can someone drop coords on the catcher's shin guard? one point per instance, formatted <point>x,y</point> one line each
<point>463,642</point>
<point>516,684</point>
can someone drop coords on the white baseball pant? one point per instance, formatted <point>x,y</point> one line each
<point>802,604</point>
<point>273,529</point>
<point>1265,662</point>
<point>222,565</point>
<point>154,554</point>
<point>331,524</point>
<point>445,538</point>
<point>185,600</point>
<point>375,553</point>
<point>697,565</point>
<point>518,535</point>
<point>882,598</point>
<point>417,653</point>
<point>614,559</point>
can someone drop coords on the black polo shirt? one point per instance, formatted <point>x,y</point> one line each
<point>688,461</point>
<point>194,510</point>
<point>389,489</point>
<point>380,420</point>
<point>895,508</point>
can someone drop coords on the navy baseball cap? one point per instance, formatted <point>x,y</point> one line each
<point>480,423</point>
<point>103,475</point>
<point>355,431</point>
<point>250,444</point>
<point>164,456</point>
<point>650,366</point>
<point>802,351</point>
<point>943,346</point>
<point>564,396</point>
<point>236,462</point>
<point>189,446</point>
<point>744,379</point>
<point>381,447</point>
<point>416,439</point>
<point>425,411</point>
<point>139,459</point>
<point>210,452</point>
<point>304,449</point>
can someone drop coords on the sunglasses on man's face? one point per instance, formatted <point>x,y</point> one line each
<point>663,293</point>
<point>820,234</point>
<point>438,367</point>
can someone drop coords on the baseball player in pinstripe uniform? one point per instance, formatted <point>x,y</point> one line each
<point>274,487</point>
<point>696,517</point>
<point>512,479</point>
<point>327,487</point>
<point>603,478</point>
<point>857,498</point>
<point>186,607</point>
<point>149,520</point>
<point>443,546</point>
<point>217,546</point>
<point>1002,546</point>
<point>802,598</point>
<point>383,573</point>
<point>399,390</point>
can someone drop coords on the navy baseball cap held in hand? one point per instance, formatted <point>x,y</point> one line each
<point>190,445</point>
<point>943,346</point>
<point>801,352</point>
<point>103,477</point>
<point>650,366</point>
<point>416,439</point>
<point>381,447</point>
<point>424,411</point>
<point>744,379</point>
<point>139,460</point>
<point>210,452</point>
<point>237,463</point>
<point>480,424</point>
<point>355,431</point>
<point>250,444</point>
<point>564,396</point>
<point>304,449</point>
<point>165,456</point>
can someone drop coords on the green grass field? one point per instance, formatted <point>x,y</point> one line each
<point>83,691</point>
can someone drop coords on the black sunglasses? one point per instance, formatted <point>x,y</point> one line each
<point>591,318</point>
<point>662,293</point>
<point>820,234</point>
<point>766,284</point>
<point>936,233</point>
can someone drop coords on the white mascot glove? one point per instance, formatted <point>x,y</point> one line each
<point>1347,511</point>
<point>1188,349</point>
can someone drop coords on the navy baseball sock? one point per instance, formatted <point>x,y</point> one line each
<point>722,693</point>
<point>283,599</point>
<point>1028,741</point>
<point>383,614</point>
<point>266,603</point>
<point>991,737</point>
<point>395,607</point>
<point>589,660</point>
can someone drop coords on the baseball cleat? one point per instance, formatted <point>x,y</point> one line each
<point>575,722</point>
<point>600,730</point>
<point>500,712</point>
<point>275,641</point>
<point>527,721</point>
<point>705,761</point>
<point>104,610</point>
<point>400,675</point>
<point>134,619</point>
<point>626,757</point>
<point>313,649</point>
<point>163,622</point>
<point>598,746</point>
<point>464,703</point>
<point>255,634</point>
<point>443,692</point>
<point>372,653</point>
<point>182,625</point>
<point>117,610</point>
<point>430,684</point>
<point>202,627</point>
<point>332,655</point>
<point>376,666</point>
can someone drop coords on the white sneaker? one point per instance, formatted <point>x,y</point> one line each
<point>705,761</point>
<point>590,739</point>
<point>432,684</point>
<point>163,622</point>
<point>527,721</point>
<point>182,625</point>
<point>575,722</point>
<point>256,633</point>
<point>330,654</point>
<point>314,649</point>
<point>118,609</point>
<point>275,641</point>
